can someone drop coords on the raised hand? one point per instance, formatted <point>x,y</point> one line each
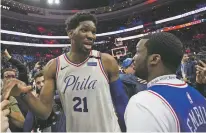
<point>14,87</point>
<point>6,54</point>
<point>201,73</point>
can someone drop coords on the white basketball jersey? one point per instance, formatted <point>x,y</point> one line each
<point>85,95</point>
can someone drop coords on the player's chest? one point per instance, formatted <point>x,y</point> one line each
<point>80,80</point>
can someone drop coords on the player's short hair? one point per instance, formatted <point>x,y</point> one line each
<point>168,46</point>
<point>73,22</point>
<point>38,74</point>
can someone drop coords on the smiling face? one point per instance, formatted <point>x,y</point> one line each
<point>185,58</point>
<point>83,36</point>
<point>39,82</point>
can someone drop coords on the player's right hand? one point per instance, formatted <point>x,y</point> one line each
<point>14,87</point>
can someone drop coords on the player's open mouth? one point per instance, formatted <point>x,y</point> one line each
<point>88,46</point>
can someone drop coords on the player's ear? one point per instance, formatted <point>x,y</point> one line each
<point>70,33</point>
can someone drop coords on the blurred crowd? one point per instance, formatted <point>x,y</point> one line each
<point>114,5</point>
<point>136,18</point>
<point>191,70</point>
<point>193,38</point>
<point>20,118</point>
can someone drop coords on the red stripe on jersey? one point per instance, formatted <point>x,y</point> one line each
<point>171,84</point>
<point>76,65</point>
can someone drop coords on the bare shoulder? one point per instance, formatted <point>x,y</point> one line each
<point>108,59</point>
<point>50,69</point>
<point>110,66</point>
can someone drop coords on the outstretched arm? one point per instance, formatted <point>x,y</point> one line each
<point>41,107</point>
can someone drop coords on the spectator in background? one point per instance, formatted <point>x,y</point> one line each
<point>55,123</point>
<point>128,66</point>
<point>16,120</point>
<point>131,83</point>
<point>37,68</point>
<point>186,71</point>
<point>22,75</point>
<point>20,109</point>
<point>31,121</point>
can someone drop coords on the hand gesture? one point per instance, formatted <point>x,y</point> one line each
<point>37,65</point>
<point>14,87</point>
<point>201,73</point>
<point>4,112</point>
<point>6,54</point>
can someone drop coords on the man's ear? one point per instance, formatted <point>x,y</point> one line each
<point>154,59</point>
<point>70,33</point>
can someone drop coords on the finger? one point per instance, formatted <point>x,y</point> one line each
<point>199,67</point>
<point>7,89</point>
<point>202,73</point>
<point>4,104</point>
<point>197,72</point>
<point>138,79</point>
<point>6,112</point>
<point>4,119</point>
<point>204,70</point>
<point>141,82</point>
<point>37,63</point>
<point>202,63</point>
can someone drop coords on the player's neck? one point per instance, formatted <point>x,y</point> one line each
<point>158,73</point>
<point>77,57</point>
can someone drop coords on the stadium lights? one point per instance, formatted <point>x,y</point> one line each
<point>107,33</point>
<point>57,1</point>
<point>50,1</point>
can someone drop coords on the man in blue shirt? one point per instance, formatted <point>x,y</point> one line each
<point>132,84</point>
<point>128,66</point>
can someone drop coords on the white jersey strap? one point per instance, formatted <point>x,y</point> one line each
<point>95,54</point>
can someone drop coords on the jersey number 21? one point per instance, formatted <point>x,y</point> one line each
<point>81,105</point>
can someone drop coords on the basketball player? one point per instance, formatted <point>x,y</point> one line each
<point>169,104</point>
<point>87,80</point>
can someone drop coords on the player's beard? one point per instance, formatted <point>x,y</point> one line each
<point>142,70</point>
